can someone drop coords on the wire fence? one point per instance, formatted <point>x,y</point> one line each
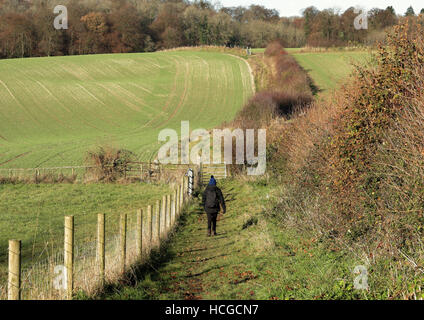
<point>127,240</point>
<point>135,171</point>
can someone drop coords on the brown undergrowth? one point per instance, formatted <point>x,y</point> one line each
<point>352,166</point>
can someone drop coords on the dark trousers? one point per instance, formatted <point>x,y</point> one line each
<point>212,221</point>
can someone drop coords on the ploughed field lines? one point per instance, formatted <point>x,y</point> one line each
<point>52,110</point>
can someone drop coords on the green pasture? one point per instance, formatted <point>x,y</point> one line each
<point>328,69</point>
<point>54,109</point>
<point>34,214</point>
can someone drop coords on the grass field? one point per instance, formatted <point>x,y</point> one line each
<point>54,109</point>
<point>328,69</point>
<point>35,214</point>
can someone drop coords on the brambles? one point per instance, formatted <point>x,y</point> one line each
<point>108,164</point>
<point>275,48</point>
<point>352,165</point>
<point>374,100</point>
<point>286,89</point>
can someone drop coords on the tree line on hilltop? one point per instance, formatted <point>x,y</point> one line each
<point>120,26</point>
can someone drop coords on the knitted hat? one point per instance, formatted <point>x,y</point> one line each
<point>212,182</point>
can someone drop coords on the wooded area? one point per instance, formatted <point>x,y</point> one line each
<point>119,26</point>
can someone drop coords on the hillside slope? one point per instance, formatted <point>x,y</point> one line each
<point>328,69</point>
<point>54,109</point>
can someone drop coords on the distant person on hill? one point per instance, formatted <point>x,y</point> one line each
<point>212,200</point>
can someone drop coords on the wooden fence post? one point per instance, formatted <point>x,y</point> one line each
<point>157,223</point>
<point>14,282</point>
<point>147,231</point>
<point>182,192</point>
<point>154,228</point>
<point>163,218</point>
<point>174,207</point>
<point>149,227</point>
<point>69,256</point>
<point>201,173</point>
<point>123,241</point>
<point>177,206</point>
<point>195,174</point>
<point>179,199</point>
<point>182,197</point>
<point>139,234</point>
<point>185,188</point>
<point>101,261</point>
<point>168,213</point>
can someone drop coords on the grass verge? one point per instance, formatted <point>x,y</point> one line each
<point>251,258</point>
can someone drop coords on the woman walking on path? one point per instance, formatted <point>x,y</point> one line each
<point>213,200</point>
